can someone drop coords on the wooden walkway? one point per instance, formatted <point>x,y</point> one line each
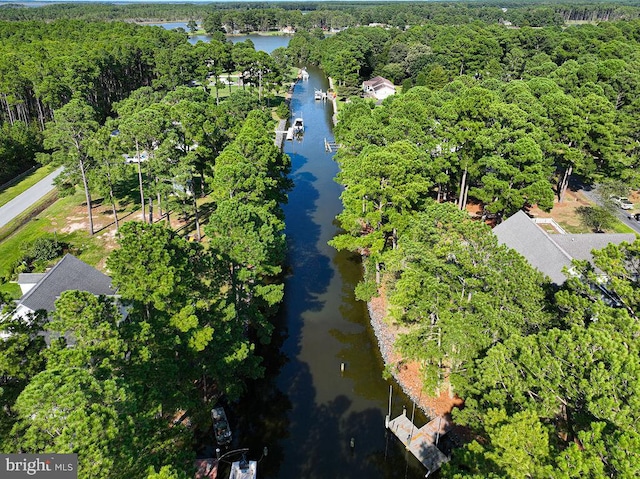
<point>422,442</point>
<point>281,131</point>
<point>331,146</point>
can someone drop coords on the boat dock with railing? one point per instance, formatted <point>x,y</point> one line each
<point>320,95</point>
<point>422,442</point>
<point>331,146</point>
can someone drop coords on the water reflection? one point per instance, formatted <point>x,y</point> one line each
<point>305,409</point>
<point>325,326</point>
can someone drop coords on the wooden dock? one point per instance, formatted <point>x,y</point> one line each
<point>422,442</point>
<point>331,146</point>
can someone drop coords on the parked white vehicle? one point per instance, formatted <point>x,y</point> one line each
<point>622,202</point>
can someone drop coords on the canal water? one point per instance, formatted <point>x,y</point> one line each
<point>318,421</point>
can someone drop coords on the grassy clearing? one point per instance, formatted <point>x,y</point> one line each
<point>26,216</point>
<point>13,191</point>
<point>620,227</point>
<point>574,229</point>
<point>65,219</point>
<point>55,221</point>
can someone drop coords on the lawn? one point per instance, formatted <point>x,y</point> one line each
<point>12,191</point>
<point>52,222</point>
<point>565,214</point>
<point>66,220</point>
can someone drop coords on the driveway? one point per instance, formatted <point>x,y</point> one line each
<point>26,199</point>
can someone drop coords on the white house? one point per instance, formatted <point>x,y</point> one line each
<point>379,88</point>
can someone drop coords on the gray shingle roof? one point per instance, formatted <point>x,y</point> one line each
<point>69,274</point>
<point>518,232</point>
<point>30,278</point>
<point>580,246</point>
<point>551,253</point>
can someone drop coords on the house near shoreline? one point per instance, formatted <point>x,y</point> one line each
<point>378,88</point>
<point>552,253</point>
<point>41,290</point>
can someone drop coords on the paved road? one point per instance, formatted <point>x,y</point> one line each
<point>24,200</point>
<point>624,215</point>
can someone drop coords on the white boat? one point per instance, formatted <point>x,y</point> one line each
<point>319,95</point>
<point>221,428</point>
<point>290,133</point>
<point>298,126</point>
<point>304,74</point>
<point>244,469</point>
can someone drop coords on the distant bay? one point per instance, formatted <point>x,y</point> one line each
<point>265,43</point>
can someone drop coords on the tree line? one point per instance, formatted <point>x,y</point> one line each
<point>44,65</point>
<point>255,16</point>
<point>575,87</point>
<point>129,385</point>
<point>545,373</point>
<point>115,390</point>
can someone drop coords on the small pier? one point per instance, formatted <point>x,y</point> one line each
<point>331,146</point>
<point>422,443</point>
<point>320,95</point>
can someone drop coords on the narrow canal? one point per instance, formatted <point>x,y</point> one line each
<point>307,411</point>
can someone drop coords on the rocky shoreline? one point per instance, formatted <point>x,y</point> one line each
<point>406,374</point>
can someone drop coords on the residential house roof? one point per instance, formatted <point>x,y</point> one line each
<point>69,273</point>
<point>550,253</point>
<point>377,82</point>
<point>30,278</point>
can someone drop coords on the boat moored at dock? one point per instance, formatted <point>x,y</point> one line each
<point>298,126</point>
<point>221,428</point>
<point>320,95</point>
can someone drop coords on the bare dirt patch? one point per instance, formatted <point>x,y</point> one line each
<point>407,373</point>
<point>564,213</point>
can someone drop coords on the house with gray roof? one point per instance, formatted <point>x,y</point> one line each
<point>551,253</point>
<point>40,290</point>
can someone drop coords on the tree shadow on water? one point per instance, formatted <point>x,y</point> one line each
<point>311,271</point>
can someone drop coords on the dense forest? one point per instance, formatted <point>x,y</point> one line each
<point>259,16</point>
<point>503,118</point>
<point>44,65</point>
<point>119,104</point>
